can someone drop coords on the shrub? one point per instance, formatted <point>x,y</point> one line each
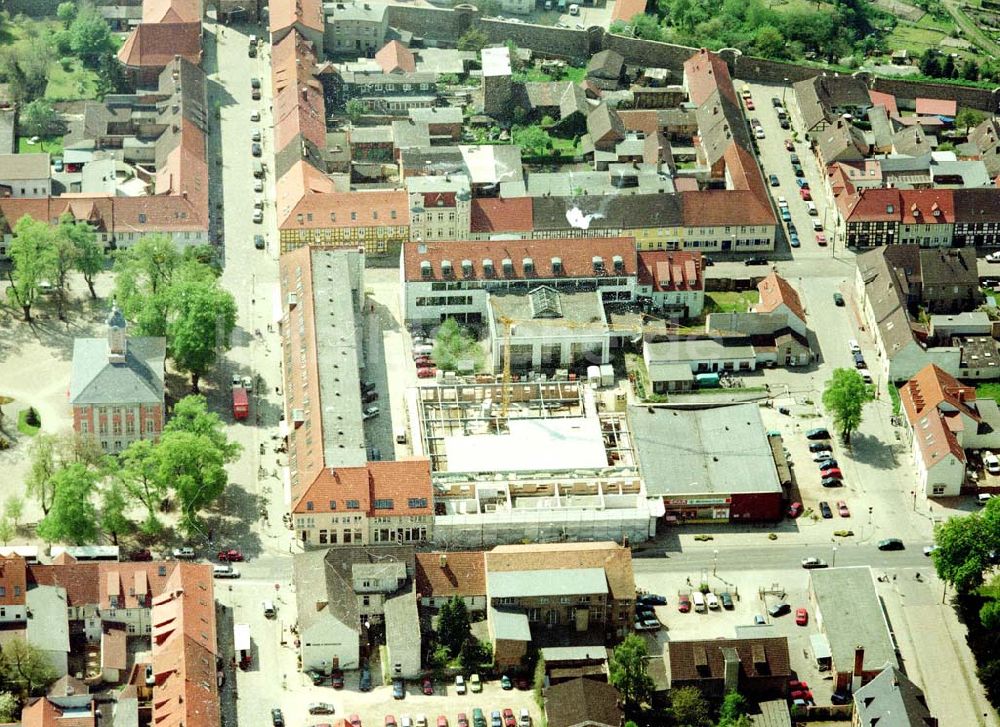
<point>31,418</point>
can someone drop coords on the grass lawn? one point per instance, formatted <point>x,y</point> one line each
<point>76,83</point>
<point>53,145</point>
<point>989,390</point>
<point>22,424</point>
<point>731,302</point>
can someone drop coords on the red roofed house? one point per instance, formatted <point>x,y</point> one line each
<point>150,48</point>
<point>394,57</point>
<point>522,265</point>
<point>777,296</point>
<point>77,710</point>
<point>510,217</point>
<point>946,107</point>
<point>442,576</point>
<point>943,420</point>
<point>673,281</point>
<point>304,16</point>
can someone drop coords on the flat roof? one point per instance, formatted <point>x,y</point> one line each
<point>510,625</point>
<point>496,61</point>
<point>850,614</point>
<point>700,349</point>
<point>584,307</point>
<point>717,451</point>
<point>555,582</point>
<point>530,444</point>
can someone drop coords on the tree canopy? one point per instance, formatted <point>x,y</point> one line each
<point>453,344</point>
<point>689,707</point>
<point>845,396</point>
<point>33,261</point>
<point>453,625</point>
<point>964,547</point>
<point>72,517</point>
<point>627,673</point>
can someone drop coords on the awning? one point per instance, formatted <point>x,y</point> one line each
<point>656,507</point>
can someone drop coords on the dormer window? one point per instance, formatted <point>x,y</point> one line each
<point>618,263</point>
<point>598,264</point>
<point>508,267</point>
<point>557,266</point>
<point>446,269</point>
<point>467,268</point>
<point>488,270</point>
<point>425,269</point>
<point>528,265</point>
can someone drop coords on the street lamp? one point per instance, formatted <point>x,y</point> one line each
<point>715,561</point>
<point>833,561</point>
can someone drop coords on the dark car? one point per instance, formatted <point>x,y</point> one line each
<point>831,482</point>
<point>797,168</point>
<point>427,686</point>
<point>258,242</point>
<point>818,433</point>
<point>891,544</point>
<point>774,180</point>
<point>652,599</point>
<point>819,447</point>
<point>827,464</point>
<point>779,609</point>
<point>255,149</point>
<point>370,397</point>
<point>755,261</point>
<point>337,679</point>
<point>277,718</point>
<point>776,102</point>
<point>825,511</point>
<point>793,158</point>
<point>727,600</point>
<point>859,360</point>
<point>838,300</point>
<point>254,83</point>
<point>840,698</point>
<point>784,123</point>
<point>707,261</point>
<point>398,689</point>
<point>365,682</point>
<point>793,240</point>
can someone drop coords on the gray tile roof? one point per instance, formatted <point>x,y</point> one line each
<point>509,624</point>
<point>48,627</point>
<point>892,700</point>
<point>402,627</point>
<point>556,582</point>
<point>139,380</point>
<point>24,166</point>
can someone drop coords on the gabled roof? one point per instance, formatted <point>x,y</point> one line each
<point>583,702</point>
<point>936,107</point>
<point>172,11</point>
<point>287,13</point>
<point>138,380</point>
<point>670,271</point>
<point>696,661</point>
<point>775,291</point>
<point>892,700</point>
<point>394,57</point>
<point>320,207</point>
<point>497,214</point>
<point>886,100</point>
<point>616,561</point>
<point>931,388</point>
<point>626,10</point>
<point>154,45</point>
<point>607,64</point>
<point>389,488</point>
<point>443,575</point>
<point>705,72</point>
<point>14,579</point>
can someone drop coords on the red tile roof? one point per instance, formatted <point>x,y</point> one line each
<point>81,580</point>
<point>493,214</point>
<point>172,11</point>
<point>625,10</point>
<point>344,209</point>
<point>43,713</point>
<point>884,99</point>
<point>299,106</point>
<point>775,291</point>
<point>871,205</point>
<point>287,13</point>
<point>927,206</point>
<point>936,107</point>
<point>407,483</point>
<point>647,122</point>
<point>394,56</point>
<point>576,256</point>
<point>154,45</point>
<point>669,271</point>
<point>613,558</point>
<point>14,580</point>
<point>930,388</point>
<point>704,72</point>
<point>443,575</point>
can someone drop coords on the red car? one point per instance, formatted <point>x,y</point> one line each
<point>802,694</point>
<point>423,361</point>
<point>801,616</point>
<point>793,685</point>
<point>804,194</point>
<point>427,686</point>
<point>354,720</point>
<point>683,604</point>
<point>142,555</point>
<point>462,720</point>
<point>337,679</point>
<point>833,472</point>
<point>749,103</point>
<point>428,372</point>
<point>789,145</point>
<point>842,509</point>
<point>821,239</point>
<point>795,509</point>
<point>442,721</point>
<point>230,556</point>
<point>508,718</point>
<point>390,721</point>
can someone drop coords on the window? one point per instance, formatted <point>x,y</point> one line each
<point>17,591</point>
<point>309,505</point>
<point>417,502</point>
<point>84,426</point>
<point>352,505</point>
<point>149,426</point>
<point>385,504</point>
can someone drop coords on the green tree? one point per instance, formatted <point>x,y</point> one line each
<point>13,508</point>
<point>646,27</point>
<point>113,507</point>
<point>194,468</point>
<point>26,69</point>
<point>969,118</point>
<point>454,628</point>
<point>143,273</point>
<point>355,109</point>
<point>38,482</point>
<point>964,544</point>
<point>33,256</point>
<point>65,256</point>
<point>689,707</point>
<point>72,517</point>
<point>733,712</point>
<point>191,414</point>
<point>201,320</point>
<point>989,615</point>
<point>7,530</point>
<point>475,653</point>
<point>10,707</point>
<point>38,118</point>
<point>24,666</point>
<point>66,12</point>
<point>845,396</point>
<point>90,259</point>
<point>111,76</point>
<point>453,344</point>
<point>930,65</point>
<point>90,36</point>
<point>627,673</point>
<point>137,473</point>
<point>970,70</point>
<point>948,69</point>
<point>769,42</point>
<point>533,140</point>
<point>473,39</point>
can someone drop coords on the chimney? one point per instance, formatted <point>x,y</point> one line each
<point>859,660</point>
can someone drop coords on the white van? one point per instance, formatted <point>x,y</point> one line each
<point>811,207</point>
<point>712,601</point>
<point>983,497</point>
<point>699,601</point>
<point>224,571</point>
<point>817,225</point>
<point>991,463</point>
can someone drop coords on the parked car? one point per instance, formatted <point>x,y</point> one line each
<point>779,609</point>
<point>773,178</point>
<point>277,718</point>
<point>842,509</point>
<point>991,463</point>
<point>801,617</point>
<point>255,115</point>
<point>142,554</point>
<point>258,242</point>
<point>891,544</point>
<point>230,556</point>
<point>727,599</point>
<point>495,719</point>
<point>929,550</point>
<point>819,447</point>
<point>827,464</point>
<point>258,216</point>
<point>759,620</point>
<point>460,684</point>
<point>390,721</point>
<point>789,145</point>
<point>427,372</point>
<point>810,563</point>
<point>398,689</point>
<point>805,194</point>
<point>365,681</point>
<point>354,720</point>
<point>825,511</point>
<point>824,456</point>
<point>749,103</point>
<point>462,720</point>
<point>57,165</point>
<point>370,412</point>
<point>786,216</point>
<point>427,686</point>
<point>818,433</point>
<point>475,685</point>
<point>831,482</point>
<point>802,184</point>
<point>505,683</point>
<point>224,571</point>
<point>797,169</point>
<point>821,241</point>
<point>320,708</point>
<point>755,261</point>
<point>255,149</point>
<point>838,300</point>
<point>337,679</point>
<point>509,720</point>
<point>370,397</point>
<point>993,257</point>
<point>683,604</point>
<point>652,599</point>
<point>795,509</point>
<point>833,472</point>
<point>183,553</point>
